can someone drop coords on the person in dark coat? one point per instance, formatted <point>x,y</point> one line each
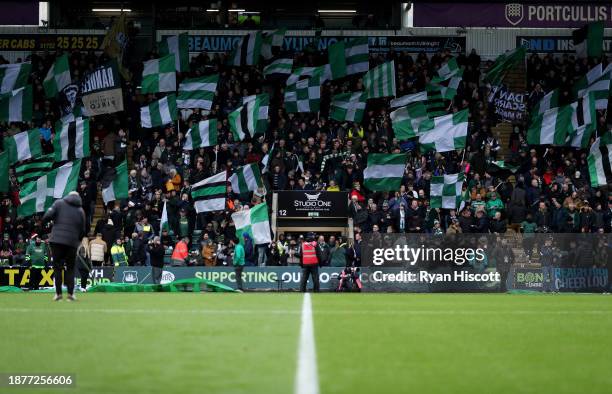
<point>138,255</point>
<point>249,252</point>
<point>156,251</point>
<point>110,233</point>
<point>69,227</point>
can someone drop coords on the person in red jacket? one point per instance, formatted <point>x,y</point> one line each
<point>310,263</point>
<point>181,251</point>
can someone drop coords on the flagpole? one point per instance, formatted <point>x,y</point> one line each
<point>463,156</point>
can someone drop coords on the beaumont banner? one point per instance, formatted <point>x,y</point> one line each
<point>554,44</point>
<point>509,106</point>
<point>101,90</point>
<point>21,277</point>
<point>515,14</point>
<point>430,44</point>
<point>50,41</point>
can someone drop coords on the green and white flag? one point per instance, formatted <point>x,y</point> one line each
<point>197,92</point>
<point>503,165</point>
<point>34,168</point>
<point>159,113</point>
<point>246,179</point>
<point>584,112</point>
<point>407,120</point>
<point>447,85</point>
<point>503,64</point>
<point>159,75</point>
<point>384,171</point>
<point>58,77</point>
<point>23,146</point>
<point>588,40</point>
<point>177,45</point>
<point>264,105</point>
<point>444,133</point>
<point>582,136</point>
<point>445,191</point>
<point>244,120</point>
<point>271,40</point>
<point>349,57</point>
<point>202,134</point>
<point>255,222</point>
<point>380,81</point>
<point>210,194</point>
<point>449,68</point>
<point>38,196</point>
<point>278,67</point>
<point>303,96</point>
<point>72,140</point>
<point>299,73</point>
<point>16,105</point>
<point>247,51</point>
<point>549,101</point>
<point>552,127</point>
<point>14,76</point>
<point>4,172</point>
<point>118,188</point>
<point>432,99</point>
<point>163,223</point>
<point>600,161</point>
<point>348,107</point>
<point>596,81</point>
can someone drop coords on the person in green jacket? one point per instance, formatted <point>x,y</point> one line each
<point>494,205</point>
<point>238,261</point>
<point>37,255</point>
<point>337,255</point>
<point>528,227</point>
<point>118,253</point>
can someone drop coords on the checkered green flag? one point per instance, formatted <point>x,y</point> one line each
<point>303,96</point>
<point>445,191</point>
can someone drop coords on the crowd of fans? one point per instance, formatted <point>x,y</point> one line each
<point>549,192</point>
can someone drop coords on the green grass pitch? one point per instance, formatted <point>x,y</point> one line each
<point>365,343</point>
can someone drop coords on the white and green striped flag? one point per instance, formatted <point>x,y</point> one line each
<point>449,68</point>
<point>245,120</point>
<point>38,196</point>
<point>14,76</point>
<point>348,107</point>
<point>58,77</point>
<point>445,191</point>
<point>16,105</point>
<point>600,161</point>
<point>552,127</point>
<point>408,99</point>
<point>163,223</point>
<point>584,112</point>
<point>278,67</point>
<point>582,136</point>
<point>384,171</point>
<point>380,81</point>
<point>178,45</point>
<point>202,134</point>
<point>255,222</point>
<point>210,194</point>
<point>550,100</point>
<point>246,179</point>
<point>159,75</point>
<point>432,99</point>
<point>159,113</point>
<point>406,120</point>
<point>117,189</point>
<point>23,146</point>
<point>444,133</point>
<point>596,81</point>
<point>264,106</point>
<point>303,96</point>
<point>72,140</point>
<point>197,92</point>
<point>271,40</point>
<point>33,169</point>
<point>247,51</point>
<point>349,57</point>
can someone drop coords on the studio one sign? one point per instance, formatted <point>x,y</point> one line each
<point>305,204</point>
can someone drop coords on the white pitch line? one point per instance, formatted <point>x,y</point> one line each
<point>306,376</point>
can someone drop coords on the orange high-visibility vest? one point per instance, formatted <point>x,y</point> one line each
<point>309,253</point>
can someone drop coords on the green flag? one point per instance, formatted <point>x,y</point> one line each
<point>178,45</point>
<point>503,64</point>
<point>588,40</point>
<point>384,171</point>
<point>58,77</point>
